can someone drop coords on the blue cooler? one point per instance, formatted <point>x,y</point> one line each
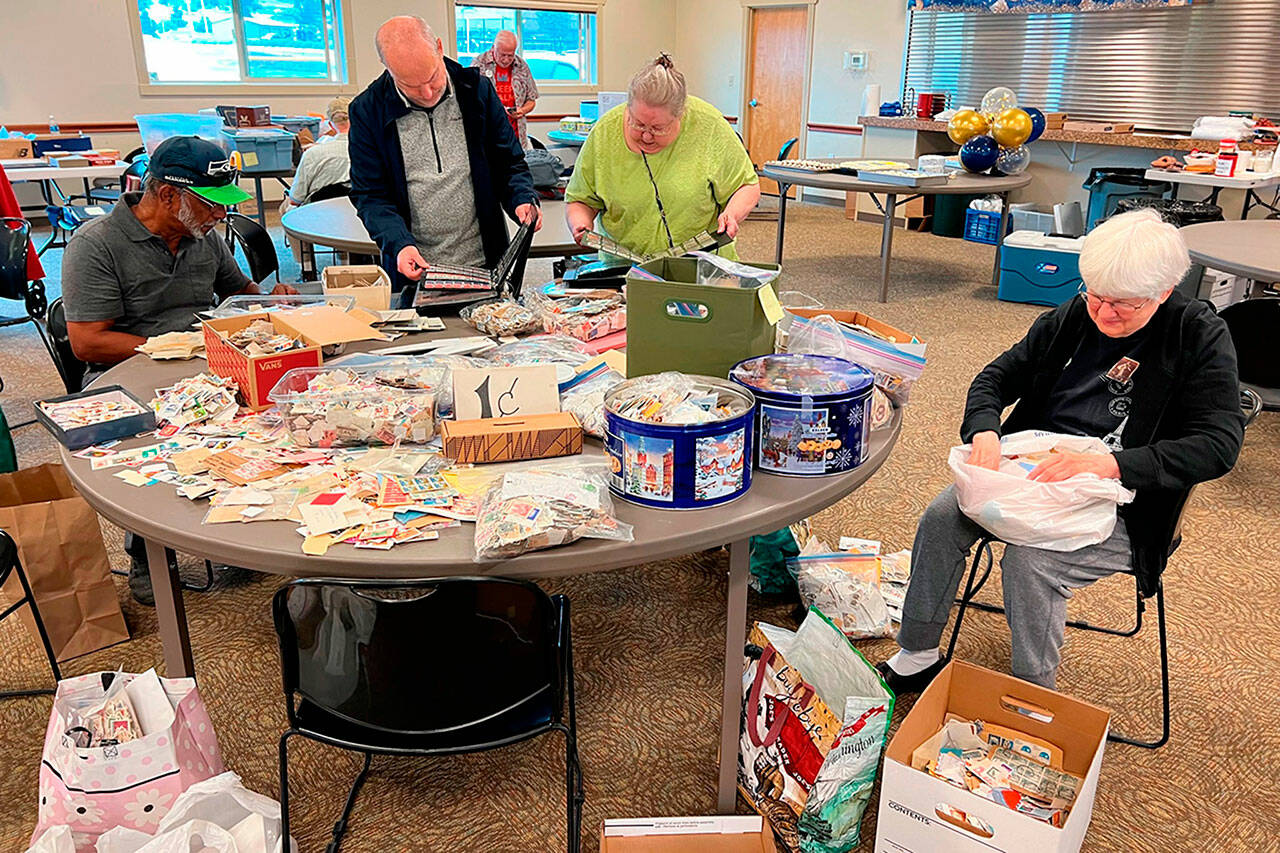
<point>1039,269</point>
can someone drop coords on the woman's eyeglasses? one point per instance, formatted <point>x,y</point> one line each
<point>1123,307</point>
<point>656,132</point>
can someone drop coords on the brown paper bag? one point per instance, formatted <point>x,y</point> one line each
<point>60,546</point>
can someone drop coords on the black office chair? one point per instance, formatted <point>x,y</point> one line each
<point>11,565</point>
<point>440,666</point>
<point>1253,324</point>
<point>109,190</point>
<point>15,242</point>
<point>256,243</point>
<point>70,368</point>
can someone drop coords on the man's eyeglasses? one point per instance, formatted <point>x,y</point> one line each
<point>654,131</point>
<point>208,205</point>
<point>1123,307</point>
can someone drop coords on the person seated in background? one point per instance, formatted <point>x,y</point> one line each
<point>434,162</point>
<point>325,163</point>
<point>661,168</point>
<point>512,79</point>
<point>1147,370</point>
<point>146,268</point>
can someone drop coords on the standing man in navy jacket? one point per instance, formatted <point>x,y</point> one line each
<point>434,162</point>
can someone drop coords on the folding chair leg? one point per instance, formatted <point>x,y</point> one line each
<point>1164,684</point>
<point>30,601</point>
<point>284,786</point>
<point>340,828</point>
<point>970,590</point>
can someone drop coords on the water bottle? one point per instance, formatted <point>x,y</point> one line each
<point>53,125</point>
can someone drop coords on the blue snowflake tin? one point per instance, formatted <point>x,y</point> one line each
<point>813,412</point>
<point>679,465</point>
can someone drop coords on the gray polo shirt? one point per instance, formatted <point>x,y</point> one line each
<point>115,269</point>
<point>437,169</point>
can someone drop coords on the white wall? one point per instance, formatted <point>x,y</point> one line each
<point>89,42</point>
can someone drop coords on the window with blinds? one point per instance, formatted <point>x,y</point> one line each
<point>1159,68</point>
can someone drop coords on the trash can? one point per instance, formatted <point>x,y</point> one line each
<point>1107,187</point>
<point>1175,211</point>
<point>949,213</point>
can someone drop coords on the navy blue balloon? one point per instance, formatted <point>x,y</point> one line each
<point>1037,123</point>
<point>979,154</point>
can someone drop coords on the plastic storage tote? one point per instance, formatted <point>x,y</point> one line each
<point>262,149</point>
<point>157,127</point>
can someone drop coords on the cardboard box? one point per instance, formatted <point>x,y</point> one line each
<point>255,116</point>
<point>732,834</point>
<point>511,439</point>
<point>72,161</point>
<point>859,206</point>
<point>16,149</point>
<point>913,815</point>
<point>857,318</point>
<point>368,284</point>
<point>1098,126</point>
<point>84,436</point>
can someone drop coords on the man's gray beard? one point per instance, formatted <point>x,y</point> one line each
<point>191,222</point>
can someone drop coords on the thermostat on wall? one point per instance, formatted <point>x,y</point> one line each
<point>855,60</point>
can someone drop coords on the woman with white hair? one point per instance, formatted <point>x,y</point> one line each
<point>661,168</point>
<point>1147,370</point>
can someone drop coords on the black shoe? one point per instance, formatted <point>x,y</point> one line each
<point>900,684</point>
<point>140,583</point>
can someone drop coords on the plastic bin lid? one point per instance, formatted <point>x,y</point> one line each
<point>1039,240</point>
<point>801,374</point>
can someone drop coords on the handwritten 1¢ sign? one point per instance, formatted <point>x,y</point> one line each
<point>501,392</point>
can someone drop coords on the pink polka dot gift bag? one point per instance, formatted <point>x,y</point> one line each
<point>119,749</point>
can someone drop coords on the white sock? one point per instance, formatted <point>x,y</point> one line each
<point>909,663</point>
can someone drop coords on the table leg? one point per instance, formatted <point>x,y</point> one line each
<point>257,191</point>
<point>1248,200</point>
<point>308,252</point>
<point>886,244</point>
<point>783,189</point>
<point>735,638</point>
<point>1004,226</point>
<point>170,612</point>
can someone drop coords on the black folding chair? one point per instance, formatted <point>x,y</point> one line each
<point>10,565</point>
<point>109,190</point>
<point>70,368</point>
<point>256,243</point>
<point>15,242</point>
<point>1252,324</point>
<point>441,666</point>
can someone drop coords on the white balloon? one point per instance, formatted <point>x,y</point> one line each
<point>998,100</point>
<point>1013,161</point>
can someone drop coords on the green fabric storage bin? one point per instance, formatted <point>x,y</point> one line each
<point>676,324</point>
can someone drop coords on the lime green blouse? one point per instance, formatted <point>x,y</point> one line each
<point>695,176</point>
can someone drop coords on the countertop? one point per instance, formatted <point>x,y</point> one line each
<point>1125,140</point>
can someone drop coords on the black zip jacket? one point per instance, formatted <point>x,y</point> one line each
<point>1185,425</point>
<point>499,175</point>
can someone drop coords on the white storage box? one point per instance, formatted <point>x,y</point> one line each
<point>918,812</point>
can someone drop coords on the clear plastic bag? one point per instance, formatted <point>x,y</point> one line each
<point>544,507</point>
<point>722,272</point>
<point>896,367</point>
<point>586,400</point>
<point>845,587</point>
<point>501,317</point>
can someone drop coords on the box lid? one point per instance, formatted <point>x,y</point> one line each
<point>716,834</point>
<point>327,324</point>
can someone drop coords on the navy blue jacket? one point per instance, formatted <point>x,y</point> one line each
<point>379,191</point>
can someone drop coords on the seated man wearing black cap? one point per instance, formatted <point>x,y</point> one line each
<point>146,268</point>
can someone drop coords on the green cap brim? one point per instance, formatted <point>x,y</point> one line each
<point>225,195</point>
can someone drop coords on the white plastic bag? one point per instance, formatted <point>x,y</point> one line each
<point>55,839</point>
<point>1062,516</point>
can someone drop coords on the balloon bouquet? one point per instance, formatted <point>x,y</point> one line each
<point>995,137</point>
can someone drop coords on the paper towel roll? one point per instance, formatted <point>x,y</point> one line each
<point>871,100</point>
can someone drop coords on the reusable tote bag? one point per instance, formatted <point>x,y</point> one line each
<point>806,767</point>
<point>133,783</point>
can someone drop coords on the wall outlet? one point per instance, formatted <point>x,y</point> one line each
<point>855,60</point>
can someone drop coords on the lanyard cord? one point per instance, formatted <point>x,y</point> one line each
<point>658,198</point>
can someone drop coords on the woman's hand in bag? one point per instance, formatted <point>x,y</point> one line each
<point>1065,465</point>
<point>985,452</point>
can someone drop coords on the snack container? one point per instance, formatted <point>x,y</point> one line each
<point>357,407</point>
<point>813,412</point>
<point>681,466</point>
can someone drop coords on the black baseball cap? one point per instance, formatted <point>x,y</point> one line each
<point>200,166</point>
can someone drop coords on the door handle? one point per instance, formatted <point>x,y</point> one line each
<point>753,103</point>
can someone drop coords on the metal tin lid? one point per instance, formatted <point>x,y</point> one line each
<point>801,375</point>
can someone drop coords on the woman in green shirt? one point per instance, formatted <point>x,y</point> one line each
<point>661,168</point>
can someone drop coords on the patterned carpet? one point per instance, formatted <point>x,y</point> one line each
<point>648,640</point>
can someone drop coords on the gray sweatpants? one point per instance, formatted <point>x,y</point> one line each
<point>1037,584</point>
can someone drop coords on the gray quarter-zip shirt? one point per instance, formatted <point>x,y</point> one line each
<point>437,168</point>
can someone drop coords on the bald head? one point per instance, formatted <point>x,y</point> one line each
<point>415,57</point>
<point>504,48</point>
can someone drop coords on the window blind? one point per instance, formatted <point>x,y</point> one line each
<point>1159,68</point>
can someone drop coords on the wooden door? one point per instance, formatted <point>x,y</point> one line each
<point>775,82</point>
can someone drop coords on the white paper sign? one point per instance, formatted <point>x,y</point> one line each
<point>504,392</point>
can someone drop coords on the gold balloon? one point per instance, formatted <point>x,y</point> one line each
<point>965,125</point>
<point>1011,128</point>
